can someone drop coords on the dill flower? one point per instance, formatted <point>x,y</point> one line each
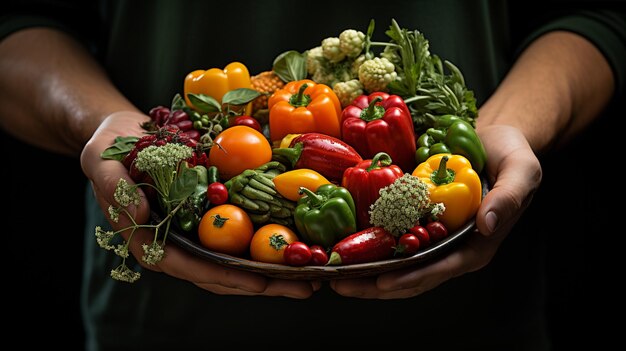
<point>125,274</point>
<point>126,194</point>
<point>402,204</point>
<point>153,253</point>
<point>161,162</point>
<point>104,238</point>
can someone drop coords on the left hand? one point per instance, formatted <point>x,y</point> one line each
<point>515,173</point>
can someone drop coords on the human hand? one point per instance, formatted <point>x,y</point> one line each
<point>514,173</point>
<point>104,176</point>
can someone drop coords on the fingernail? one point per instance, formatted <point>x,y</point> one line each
<point>491,219</point>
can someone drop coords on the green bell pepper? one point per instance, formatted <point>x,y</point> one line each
<point>451,134</point>
<point>190,214</point>
<point>326,216</point>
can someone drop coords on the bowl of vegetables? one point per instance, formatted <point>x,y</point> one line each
<point>299,175</point>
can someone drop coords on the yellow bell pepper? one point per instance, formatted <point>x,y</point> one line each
<point>452,181</point>
<point>216,82</point>
<point>288,183</point>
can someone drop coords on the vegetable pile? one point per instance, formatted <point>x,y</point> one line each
<point>337,155</point>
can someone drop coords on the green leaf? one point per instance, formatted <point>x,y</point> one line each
<point>120,148</point>
<point>204,103</point>
<point>290,66</point>
<point>240,96</point>
<point>184,185</point>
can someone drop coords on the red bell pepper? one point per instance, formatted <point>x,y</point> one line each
<point>380,122</point>
<point>322,153</point>
<point>365,180</point>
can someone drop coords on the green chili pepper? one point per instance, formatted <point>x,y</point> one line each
<point>451,134</point>
<point>213,175</point>
<point>326,216</point>
<point>190,214</point>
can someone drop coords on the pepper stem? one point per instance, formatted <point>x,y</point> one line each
<point>443,175</point>
<point>300,99</point>
<point>373,111</point>
<point>219,221</point>
<point>383,158</point>
<point>314,199</point>
<point>292,154</point>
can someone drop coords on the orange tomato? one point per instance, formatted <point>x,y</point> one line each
<point>269,242</point>
<point>227,229</point>
<point>239,148</point>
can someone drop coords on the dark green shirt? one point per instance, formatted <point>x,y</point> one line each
<point>149,46</point>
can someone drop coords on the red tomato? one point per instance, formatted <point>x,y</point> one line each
<point>408,244</point>
<point>246,121</point>
<point>422,235</point>
<point>217,193</point>
<point>297,254</point>
<point>437,231</point>
<point>319,257</point>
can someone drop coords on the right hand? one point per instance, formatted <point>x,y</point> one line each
<point>104,175</point>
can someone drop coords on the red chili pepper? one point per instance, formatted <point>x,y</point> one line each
<point>380,122</point>
<point>371,244</point>
<point>364,181</point>
<point>322,153</point>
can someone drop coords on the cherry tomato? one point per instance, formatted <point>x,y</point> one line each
<point>239,148</point>
<point>270,242</point>
<point>297,254</point>
<point>227,229</point>
<point>217,193</point>
<point>422,235</point>
<point>408,244</point>
<point>248,121</point>
<point>319,257</point>
<point>437,231</point>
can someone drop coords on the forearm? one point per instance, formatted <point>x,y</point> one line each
<point>53,94</point>
<point>559,84</point>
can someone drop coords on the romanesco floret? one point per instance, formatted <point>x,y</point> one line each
<point>351,42</point>
<point>313,59</point>
<point>331,49</point>
<point>348,91</point>
<point>376,73</point>
<point>402,204</point>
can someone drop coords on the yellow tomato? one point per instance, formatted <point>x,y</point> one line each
<point>288,183</point>
<point>269,242</point>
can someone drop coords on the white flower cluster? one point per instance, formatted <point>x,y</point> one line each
<point>402,204</point>
<point>154,158</point>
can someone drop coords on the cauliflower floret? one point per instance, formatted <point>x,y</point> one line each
<point>391,54</point>
<point>376,73</point>
<point>351,42</point>
<point>356,64</point>
<point>348,91</point>
<point>313,60</point>
<point>331,49</point>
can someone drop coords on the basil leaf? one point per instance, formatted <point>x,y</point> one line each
<point>240,96</point>
<point>184,185</point>
<point>120,148</point>
<point>290,66</point>
<point>204,103</point>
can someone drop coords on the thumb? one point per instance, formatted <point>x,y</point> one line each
<point>516,174</point>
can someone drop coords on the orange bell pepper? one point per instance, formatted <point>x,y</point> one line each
<point>304,106</point>
<point>452,180</point>
<point>216,82</point>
